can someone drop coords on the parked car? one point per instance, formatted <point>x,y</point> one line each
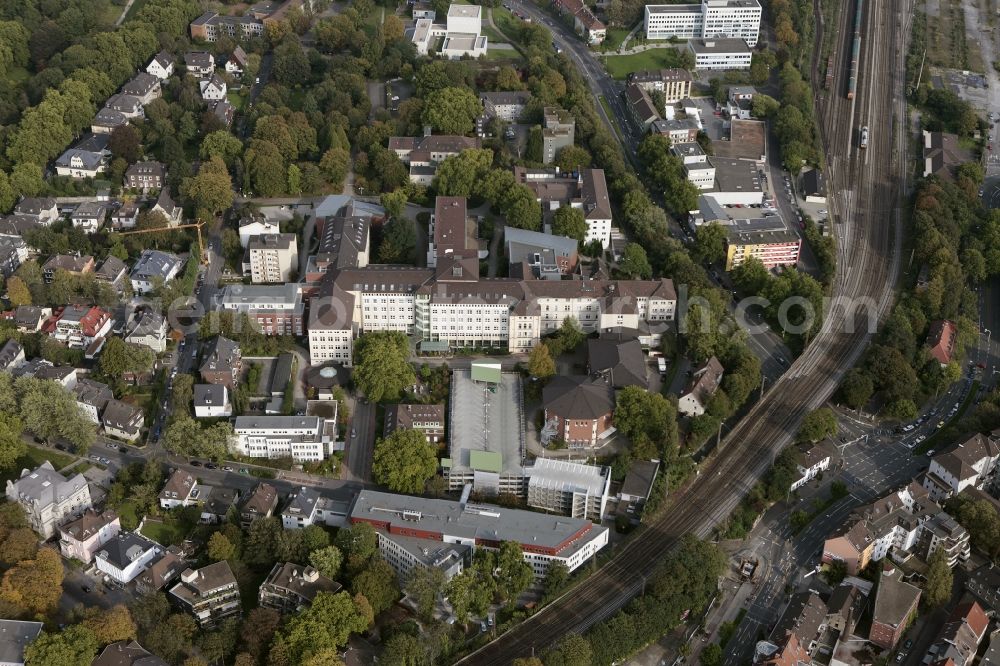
<point>195,463</point>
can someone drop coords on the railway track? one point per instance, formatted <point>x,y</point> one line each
<point>865,197</point>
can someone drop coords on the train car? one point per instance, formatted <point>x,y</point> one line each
<point>852,81</point>
<point>864,137</point>
<point>829,73</point>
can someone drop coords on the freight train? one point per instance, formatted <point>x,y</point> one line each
<point>852,82</point>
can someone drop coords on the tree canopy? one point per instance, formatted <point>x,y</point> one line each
<point>404,461</point>
<point>381,366</point>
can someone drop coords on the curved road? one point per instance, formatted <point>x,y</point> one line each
<point>869,265</point>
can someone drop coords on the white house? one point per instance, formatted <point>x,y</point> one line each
<point>237,62</point>
<point>77,163</point>
<point>302,438</point>
<point>122,420</point>
<point>161,66</point>
<point>700,389</point>
<point>153,269</point>
<point>973,463</point>
<point>738,19</point>
<point>306,508</point>
<point>178,490</point>
<point>149,329</point>
<point>48,497</point>
<point>125,556</point>
<point>166,206</point>
<point>89,216</point>
<point>211,401</point>
<point>81,538</point>
<point>43,209</point>
<point>813,460</point>
<point>256,226</point>
<point>214,89</point>
<point>92,397</point>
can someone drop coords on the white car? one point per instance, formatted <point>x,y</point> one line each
<point>823,211</point>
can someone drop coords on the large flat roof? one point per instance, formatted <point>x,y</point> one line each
<point>673,9</point>
<point>486,421</point>
<point>734,175</point>
<point>465,11</point>
<point>568,476</point>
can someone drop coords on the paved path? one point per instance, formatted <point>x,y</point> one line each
<point>124,13</point>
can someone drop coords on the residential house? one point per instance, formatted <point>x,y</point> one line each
<point>423,155</point>
<point>125,216</point>
<point>507,106</point>
<point>941,338</point>
<point>675,84</point>
<point>29,318</point>
<point>638,485</point>
<point>122,420</point>
<point>971,463</point>
<point>290,588</point>
<point>161,66</point>
<point>221,362</point>
<point>77,326</point>
<point>578,409</point>
<point>160,573</point>
<point>146,176</point>
<point>127,105</point>
<point>127,653</point>
<point>813,460</point>
<point>125,556</point>
<point>211,594</point>
<point>210,26</point>
<point>111,271</point>
<point>584,22</point>
<point>787,652</point>
<point>107,121</point>
<point>216,501</point>
<point>569,488</point>
<point>10,256</point>
<point>63,375</point>
<point>943,155</point>
<point>199,63</point>
<point>895,605</point>
<point>252,226</point>
<point>89,216</point>
<point>15,636</point>
<point>812,185</point>
<point>147,328</point>
<point>43,210</point>
<point>703,384</point>
<point>959,639</point>
<point>211,401</point>
<point>237,62</point>
<point>178,490</point>
<point>428,419</point>
<point>620,363</point>
<point>144,86</point>
<point>302,509</point>
<point>260,503</point>
<point>805,617</point>
<point>154,269</point>
<point>302,438</point>
<point>74,264</point>
<point>82,538</point>
<point>213,89</point>
<point>11,355</point>
<point>79,163</point>
<point>640,106</point>
<point>274,258</point>
<point>166,207</point>
<point>92,397</point>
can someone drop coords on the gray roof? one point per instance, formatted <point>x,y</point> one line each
<point>90,159</point>
<point>123,103</point>
<point>198,59</point>
<point>121,416</point>
<point>281,374</point>
<point>209,395</point>
<point>520,97</point>
<point>34,205</point>
<point>219,500</point>
<point>153,263</point>
<point>147,169</point>
<point>93,393</point>
<point>568,476</point>
<point>484,523</point>
<point>623,362</point>
<point>575,397</point>
<point>90,209</point>
<point>10,350</point>
<point>302,503</point>
<point>141,84</point>
<point>280,422</point>
<point>343,239</point>
<point>14,637</point>
<point>204,581</point>
<point>222,354</point>
<point>288,578</point>
<point>521,242</point>
<point>727,45</point>
<point>89,524</point>
<point>109,118</point>
<point>271,241</point>
<point>894,599</point>
<point>111,268</point>
<point>17,225</point>
<point>165,202</point>
<point>639,480</point>
<point>125,548</point>
<point>127,653</point>
<point>147,322</point>
<point>45,485</point>
<point>164,58</point>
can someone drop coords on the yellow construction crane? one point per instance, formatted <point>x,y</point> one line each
<point>193,225</point>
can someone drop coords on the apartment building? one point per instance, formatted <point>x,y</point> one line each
<point>154,269</point>
<point>558,132</point>
<point>273,258</point>
<point>77,326</point>
<point>301,438</point>
<point>548,256</point>
<point>89,216</point>
<point>306,507</point>
<point>92,397</point>
<point>145,87</point>
<point>199,64</point>
<point>160,573</point>
<point>125,556</point>
<point>146,176</point>
<point>587,190</point>
<point>584,22</point>
<point>48,498</point>
<point>428,419</point>
<point>221,362</point>
<point>290,587</point>
<point>761,238</point>
<point>640,107</point>
<point>260,503</point>
<point>578,410</point>
<point>75,265</point>
<point>895,605</point>
<point>507,106</point>
<point>277,310</point>
<point>210,26</point>
<point>738,19</point>
<point>148,329</point>
<point>568,488</point>
<point>80,539</point>
<point>460,35</point>
<point>211,594</point>
<point>972,463</point>
<point>814,459</point>
<point>675,83</point>
<point>422,155</point>
<point>41,209</point>
<point>451,232</point>
<point>331,325</point>
<point>698,169</point>
<point>720,54</point>
<point>543,538</point>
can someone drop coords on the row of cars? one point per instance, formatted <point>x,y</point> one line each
<point>945,417</point>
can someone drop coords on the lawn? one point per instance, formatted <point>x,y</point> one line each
<point>34,457</point>
<point>167,533</point>
<point>614,39</point>
<point>612,116</point>
<point>620,66</point>
<point>236,98</point>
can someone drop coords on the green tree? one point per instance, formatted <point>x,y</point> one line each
<point>20,543</point>
<point>377,583</point>
<point>635,263</point>
<point>709,243</point>
<point>751,276</point>
<point>72,646</point>
<point>12,446</point>
<point>18,292</point>
<point>221,144</point>
<point>513,575</point>
<point>460,175</point>
<point>404,650</point>
<point>404,461</point>
<point>556,577</point>
<point>711,655</point>
<point>570,222</point>
<point>818,424</point>
<point>540,363</point>
<point>211,191</point>
<point>394,203</point>
<point>381,366</point>
<point>325,624</point>
<point>265,168</point>
<point>571,650</point>
<point>452,110</point>
<point>119,357</point>
<point>937,591</point>
<point>572,158</point>
<point>334,165</point>
<point>49,410</point>
<point>358,543</point>
<point>327,561</point>
<point>470,592</point>
<point>34,585</point>
<point>111,625</point>
<point>398,244</point>
<point>220,548</point>
<point>424,585</point>
<point>8,195</point>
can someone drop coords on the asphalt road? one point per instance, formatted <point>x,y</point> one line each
<point>361,441</point>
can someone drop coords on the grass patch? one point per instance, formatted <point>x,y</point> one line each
<point>945,435</point>
<point>613,117</point>
<point>237,98</point>
<point>501,54</point>
<point>620,66</point>
<point>81,467</point>
<point>166,533</point>
<point>33,457</point>
<point>128,513</point>
<point>614,39</point>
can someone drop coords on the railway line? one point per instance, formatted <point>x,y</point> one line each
<point>865,197</point>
